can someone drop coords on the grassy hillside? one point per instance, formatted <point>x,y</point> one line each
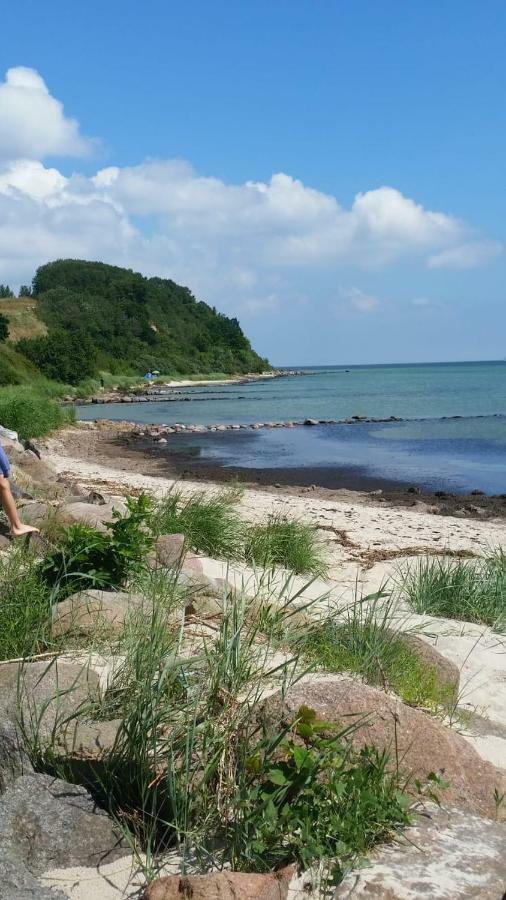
<point>86,318</point>
<point>24,321</point>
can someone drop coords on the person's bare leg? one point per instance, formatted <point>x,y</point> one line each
<point>18,528</point>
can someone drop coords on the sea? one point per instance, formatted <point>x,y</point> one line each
<point>452,435</point>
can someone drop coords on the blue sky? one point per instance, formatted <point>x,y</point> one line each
<point>176,117</point>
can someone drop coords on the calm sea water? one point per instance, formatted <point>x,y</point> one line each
<point>428,449</point>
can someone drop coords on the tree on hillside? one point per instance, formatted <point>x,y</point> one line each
<point>25,291</point>
<point>4,328</point>
<point>67,356</point>
<point>5,292</point>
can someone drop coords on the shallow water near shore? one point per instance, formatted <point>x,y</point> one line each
<point>427,449</point>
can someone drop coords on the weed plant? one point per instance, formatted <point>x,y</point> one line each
<point>192,768</point>
<point>86,558</point>
<point>458,589</point>
<point>281,542</point>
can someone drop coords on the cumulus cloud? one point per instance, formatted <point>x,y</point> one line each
<point>247,246</point>
<point>32,122</point>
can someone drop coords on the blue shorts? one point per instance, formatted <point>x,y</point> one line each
<point>5,466</point>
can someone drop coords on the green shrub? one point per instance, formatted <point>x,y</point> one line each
<point>30,413</point>
<point>457,589</point>
<point>209,524</point>
<point>86,558</point>
<point>286,543</point>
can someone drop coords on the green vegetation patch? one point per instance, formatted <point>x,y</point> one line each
<point>387,662</point>
<point>472,591</point>
<point>282,542</point>
<point>30,412</point>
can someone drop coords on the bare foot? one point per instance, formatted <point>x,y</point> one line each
<point>24,529</point>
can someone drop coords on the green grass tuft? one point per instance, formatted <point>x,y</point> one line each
<point>281,542</point>
<point>209,524</point>
<point>25,619</point>
<point>458,589</point>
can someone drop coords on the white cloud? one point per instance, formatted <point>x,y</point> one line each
<point>32,122</point>
<point>250,246</point>
<point>421,301</point>
<point>467,256</point>
<point>358,299</point>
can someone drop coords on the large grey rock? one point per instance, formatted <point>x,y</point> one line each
<point>97,516</point>
<point>48,823</point>
<point>450,855</point>
<point>87,611</point>
<point>17,883</point>
<point>13,759</point>
<point>40,696</point>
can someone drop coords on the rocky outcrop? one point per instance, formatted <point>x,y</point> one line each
<point>17,883</point>
<point>169,550</point>
<point>421,742</point>
<point>446,856</point>
<point>95,515</point>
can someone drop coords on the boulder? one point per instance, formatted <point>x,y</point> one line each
<point>48,823</point>
<point>169,550</point>
<point>13,759</point>
<point>35,513</point>
<point>222,886</point>
<point>42,695</point>
<point>86,611</point>
<point>422,743</point>
<point>447,855</point>
<point>97,516</point>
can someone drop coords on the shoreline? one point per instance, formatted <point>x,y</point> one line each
<point>119,444</point>
<point>152,394</point>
